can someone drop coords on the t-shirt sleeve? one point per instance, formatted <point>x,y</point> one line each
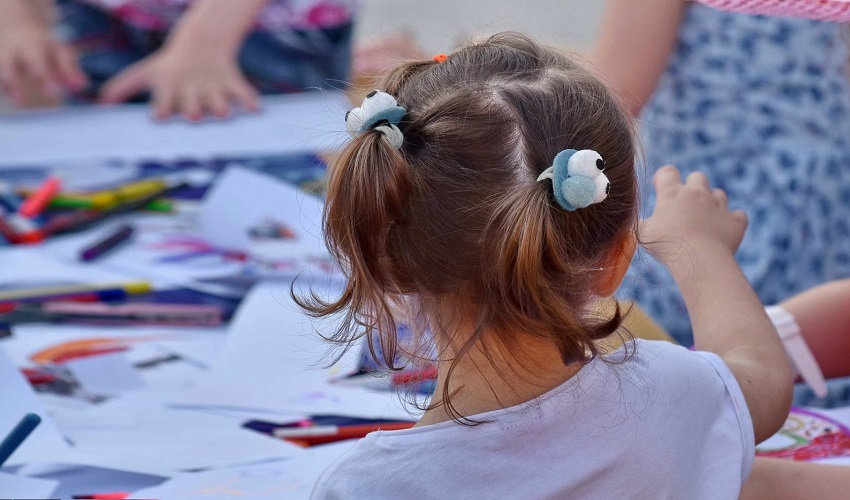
<point>745,421</point>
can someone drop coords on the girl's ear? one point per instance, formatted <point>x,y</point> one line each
<point>617,264</point>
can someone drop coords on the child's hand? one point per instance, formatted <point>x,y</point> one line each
<point>194,83</point>
<point>28,52</point>
<point>690,217</point>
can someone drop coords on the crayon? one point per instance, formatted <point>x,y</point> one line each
<point>40,198</point>
<point>18,435</point>
<point>112,241</point>
<point>74,292</point>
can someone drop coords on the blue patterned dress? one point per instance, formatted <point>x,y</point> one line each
<point>762,106</point>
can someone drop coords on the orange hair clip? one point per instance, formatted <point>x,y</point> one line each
<point>440,58</point>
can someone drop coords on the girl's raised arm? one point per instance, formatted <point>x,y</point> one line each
<point>693,233</point>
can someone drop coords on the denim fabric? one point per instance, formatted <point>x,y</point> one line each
<point>275,62</point>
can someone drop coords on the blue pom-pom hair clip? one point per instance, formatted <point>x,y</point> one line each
<point>379,112</point>
<point>577,178</point>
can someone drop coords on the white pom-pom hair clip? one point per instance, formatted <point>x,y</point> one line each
<point>380,112</point>
<point>577,178</point>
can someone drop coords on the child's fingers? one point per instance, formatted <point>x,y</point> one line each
<point>244,94</point>
<point>190,104</point>
<point>68,67</point>
<point>741,216</point>
<point>721,197</point>
<point>164,102</point>
<point>216,103</point>
<point>124,85</point>
<point>36,63</point>
<point>10,78</point>
<point>666,177</point>
<point>698,179</point>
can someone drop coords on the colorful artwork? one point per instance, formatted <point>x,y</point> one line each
<point>807,435</point>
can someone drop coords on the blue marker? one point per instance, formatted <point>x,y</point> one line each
<point>18,435</point>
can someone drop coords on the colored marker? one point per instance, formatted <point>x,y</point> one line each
<point>114,495</point>
<point>112,241</point>
<point>40,198</point>
<point>25,229</point>
<point>18,435</point>
<point>339,432</point>
<point>82,220</point>
<point>73,292</point>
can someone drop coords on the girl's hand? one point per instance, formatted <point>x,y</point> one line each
<point>690,217</point>
<point>194,83</point>
<point>29,53</point>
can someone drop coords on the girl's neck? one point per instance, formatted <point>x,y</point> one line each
<point>484,381</point>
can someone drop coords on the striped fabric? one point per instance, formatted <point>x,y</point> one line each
<point>824,10</point>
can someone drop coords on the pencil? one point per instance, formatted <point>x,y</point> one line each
<point>69,291</point>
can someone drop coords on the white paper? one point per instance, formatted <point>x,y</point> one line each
<point>14,486</point>
<point>107,374</point>
<point>273,360</point>
<point>287,479</point>
<point>44,444</point>
<point>138,433</point>
<point>242,199</point>
<point>311,121</point>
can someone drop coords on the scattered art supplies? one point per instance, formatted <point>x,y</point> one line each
<point>193,315</point>
<point>114,239</point>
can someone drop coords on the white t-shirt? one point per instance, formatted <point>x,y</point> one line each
<point>665,423</point>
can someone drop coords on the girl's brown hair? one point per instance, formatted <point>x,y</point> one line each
<point>455,223</point>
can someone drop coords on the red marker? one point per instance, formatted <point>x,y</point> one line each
<point>40,198</point>
<point>115,495</point>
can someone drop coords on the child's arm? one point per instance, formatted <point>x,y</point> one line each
<point>196,72</point>
<point>635,40</point>
<point>778,479</point>
<point>30,53</point>
<point>823,314</point>
<point>693,233</point>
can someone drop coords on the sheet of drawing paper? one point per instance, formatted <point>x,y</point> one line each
<point>139,433</point>
<point>17,398</point>
<point>255,213</point>
<point>274,360</point>
<point>14,486</point>
<point>290,479</point>
<point>311,121</point>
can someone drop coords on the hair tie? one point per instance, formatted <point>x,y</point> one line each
<point>440,58</point>
<point>577,178</point>
<point>379,112</point>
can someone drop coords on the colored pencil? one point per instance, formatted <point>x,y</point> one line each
<point>14,439</point>
<point>328,433</point>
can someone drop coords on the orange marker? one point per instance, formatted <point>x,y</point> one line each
<point>38,200</point>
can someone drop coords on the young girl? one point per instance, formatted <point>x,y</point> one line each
<point>196,57</point>
<point>491,195</point>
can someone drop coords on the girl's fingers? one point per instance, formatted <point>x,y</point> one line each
<point>666,177</point>
<point>216,102</point>
<point>68,67</point>
<point>721,197</point>
<point>244,94</point>
<point>164,104</point>
<point>124,85</point>
<point>698,179</point>
<point>189,103</point>
<point>741,216</point>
